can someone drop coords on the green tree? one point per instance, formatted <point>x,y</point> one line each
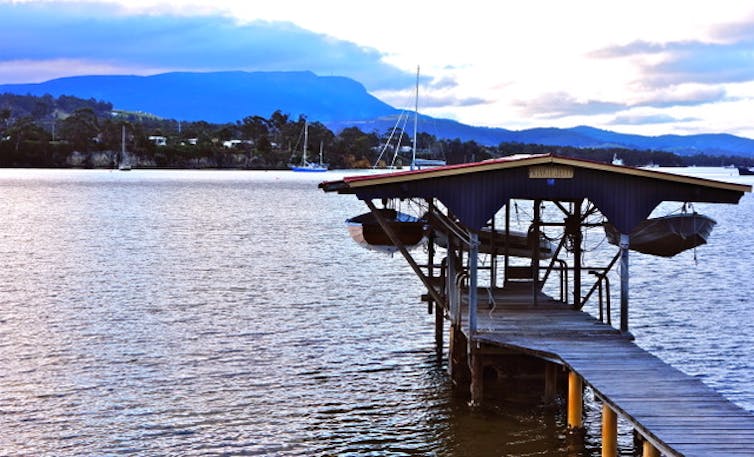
<point>81,129</point>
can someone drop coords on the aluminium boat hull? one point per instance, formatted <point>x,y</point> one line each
<point>666,236</point>
<point>367,232</point>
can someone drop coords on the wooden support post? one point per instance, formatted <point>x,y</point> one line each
<point>551,383</point>
<point>473,275</point>
<point>609,432</point>
<point>477,375</point>
<point>575,402</point>
<point>452,287</point>
<point>458,369</point>
<point>649,451</point>
<point>439,329</point>
<point>624,243</point>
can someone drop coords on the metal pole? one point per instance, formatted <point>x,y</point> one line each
<point>624,243</point>
<point>535,253</point>
<point>577,254</point>
<point>506,241</point>
<point>430,254</point>
<point>473,261</point>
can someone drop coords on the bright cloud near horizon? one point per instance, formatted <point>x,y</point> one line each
<point>646,67</point>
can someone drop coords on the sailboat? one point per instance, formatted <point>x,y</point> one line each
<point>418,163</point>
<point>415,163</point>
<point>306,165</point>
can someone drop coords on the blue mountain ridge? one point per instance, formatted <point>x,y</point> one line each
<point>337,102</point>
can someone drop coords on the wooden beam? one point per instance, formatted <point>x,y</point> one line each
<point>397,242</point>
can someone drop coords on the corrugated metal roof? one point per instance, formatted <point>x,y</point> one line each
<point>474,192</point>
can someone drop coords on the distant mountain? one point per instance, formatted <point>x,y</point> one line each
<point>337,102</point>
<point>223,96</point>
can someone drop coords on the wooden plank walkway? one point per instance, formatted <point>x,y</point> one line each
<point>678,413</point>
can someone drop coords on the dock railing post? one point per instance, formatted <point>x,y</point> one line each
<point>624,243</point>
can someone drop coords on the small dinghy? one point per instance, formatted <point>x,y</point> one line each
<point>366,231</point>
<point>666,236</point>
<point>517,243</point>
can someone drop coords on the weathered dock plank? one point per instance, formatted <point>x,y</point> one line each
<point>679,413</point>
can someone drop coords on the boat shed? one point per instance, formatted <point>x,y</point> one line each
<point>474,192</point>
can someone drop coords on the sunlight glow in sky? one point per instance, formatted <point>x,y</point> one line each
<point>647,67</point>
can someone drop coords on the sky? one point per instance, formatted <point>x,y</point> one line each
<point>645,67</point>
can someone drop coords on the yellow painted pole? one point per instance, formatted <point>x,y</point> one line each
<point>649,450</point>
<point>575,401</point>
<point>609,432</point>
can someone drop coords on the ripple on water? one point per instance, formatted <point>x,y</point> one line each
<point>171,313</point>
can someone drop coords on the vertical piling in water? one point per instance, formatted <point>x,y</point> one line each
<point>551,383</point>
<point>609,432</point>
<point>575,402</point>
<point>439,330</point>
<point>457,357</point>
<point>648,450</point>
<point>476,387</point>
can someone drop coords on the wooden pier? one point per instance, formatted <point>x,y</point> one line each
<point>500,333</point>
<point>676,414</point>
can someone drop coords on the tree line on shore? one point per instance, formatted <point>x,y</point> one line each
<point>72,132</point>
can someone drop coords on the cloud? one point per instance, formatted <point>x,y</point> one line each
<point>100,36</point>
<point>643,119</point>
<point>443,101</point>
<point>444,83</point>
<point>734,32</point>
<point>627,50</point>
<point>684,96</point>
<point>727,58</point>
<point>562,104</point>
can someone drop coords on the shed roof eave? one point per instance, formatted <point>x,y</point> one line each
<point>352,184</point>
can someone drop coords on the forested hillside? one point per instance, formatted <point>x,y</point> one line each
<point>67,131</point>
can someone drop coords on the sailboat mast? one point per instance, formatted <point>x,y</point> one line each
<point>416,119</point>
<point>306,139</point>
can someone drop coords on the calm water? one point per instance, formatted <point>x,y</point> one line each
<point>228,313</point>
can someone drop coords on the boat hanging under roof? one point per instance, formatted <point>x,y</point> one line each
<point>366,231</point>
<point>666,236</point>
<point>516,244</point>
